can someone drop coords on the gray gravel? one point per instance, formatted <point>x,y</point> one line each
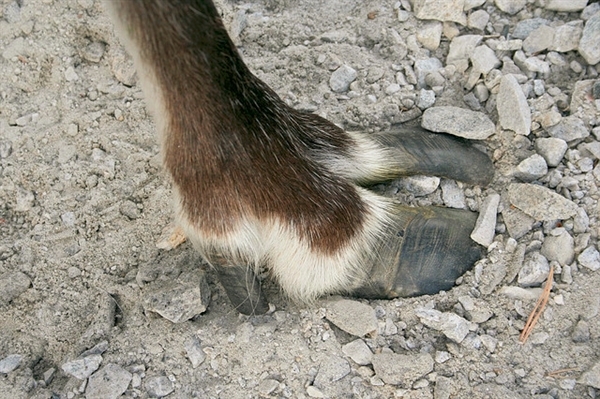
<point>91,308</point>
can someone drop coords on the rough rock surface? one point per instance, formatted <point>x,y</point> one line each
<point>458,122</point>
<point>84,201</point>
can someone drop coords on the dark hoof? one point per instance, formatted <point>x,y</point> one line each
<point>432,249</point>
<point>243,289</point>
<point>419,151</point>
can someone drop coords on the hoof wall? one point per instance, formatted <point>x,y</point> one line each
<point>433,248</point>
<point>243,289</point>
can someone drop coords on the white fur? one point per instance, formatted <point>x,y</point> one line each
<point>368,160</point>
<point>303,273</point>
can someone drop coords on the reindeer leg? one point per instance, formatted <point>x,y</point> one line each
<point>242,286</point>
<point>260,180</point>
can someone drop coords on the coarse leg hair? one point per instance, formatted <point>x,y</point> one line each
<point>258,183</point>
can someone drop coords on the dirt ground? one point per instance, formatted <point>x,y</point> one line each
<point>84,202</point>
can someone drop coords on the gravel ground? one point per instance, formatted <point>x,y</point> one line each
<point>88,300</point>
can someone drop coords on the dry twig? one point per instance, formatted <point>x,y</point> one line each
<point>558,373</point>
<point>538,309</point>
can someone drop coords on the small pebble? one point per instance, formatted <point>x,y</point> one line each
<point>534,271</point>
<point>158,387</point>
<point>426,99</point>
<point>442,356</point>
<point>485,227</point>
<point>82,368</point>
<point>513,110</point>
<point>459,122</point>
<point>531,168</point>
<point>358,351</point>
<point>354,317</point>
<point>10,363</point>
<point>341,78</point>
<point>396,369</point>
<point>451,325</point>
<point>590,258</point>
<point>551,149</point>
<point>110,382</point>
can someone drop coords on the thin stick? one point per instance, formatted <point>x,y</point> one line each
<point>538,309</point>
<point>557,373</point>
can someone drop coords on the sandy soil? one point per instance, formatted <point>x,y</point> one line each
<point>84,201</point>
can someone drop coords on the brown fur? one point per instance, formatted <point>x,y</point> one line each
<point>233,147</point>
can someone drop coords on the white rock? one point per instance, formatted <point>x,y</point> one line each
<point>424,67</point>
<point>478,19</point>
<point>513,111</point>
<point>426,99</point>
<point>540,39</point>
<point>354,317</point>
<point>430,35</point>
<point>591,377</point>
<point>452,195</point>
<point>314,392</point>
<point>484,59</point>
<point>560,248</point>
<point>589,11</point>
<point>392,89</point>
<point>535,64</point>
<point>489,342</point>
<point>589,45</point>
<point>395,369</point>
<point>10,363</point>
<point>526,26</point>
<point>419,185</point>
<point>442,357</point>
<point>441,10</point>
<point>535,270</point>
<point>110,382</point>
<point>531,168</point>
<point>540,202</point>
<point>70,74</point>
<point>485,227</point>
<point>341,78</point>
<point>581,221</point>
<point>510,6</point>
<point>510,45</point>
<point>552,149</point>
<point>194,351</point>
<point>565,5</point>
<point>590,258</point>
<point>333,368</point>
<point>526,294</point>
<point>450,324</point>
<point>539,87</point>
<point>461,48</point>
<point>569,129</point>
<point>591,149</point>
<point>458,122</point>
<point>82,368</point>
<point>567,37</point>
<point>179,301</point>
<point>159,386</point>
<point>358,351</point>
